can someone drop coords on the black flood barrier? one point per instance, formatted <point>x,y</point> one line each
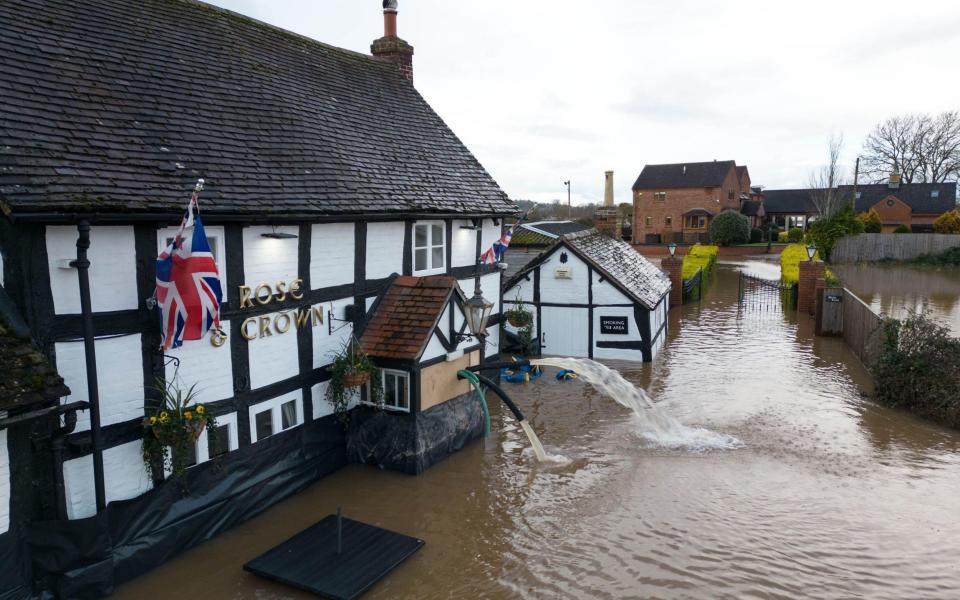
<point>310,560</point>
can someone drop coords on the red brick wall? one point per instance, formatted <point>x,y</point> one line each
<point>810,273</point>
<point>891,216</point>
<point>673,266</point>
<point>679,201</point>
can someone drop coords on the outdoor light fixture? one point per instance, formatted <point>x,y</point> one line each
<point>672,247</point>
<point>278,235</point>
<point>811,250</point>
<point>478,313</point>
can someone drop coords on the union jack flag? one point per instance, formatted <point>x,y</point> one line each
<point>494,253</point>
<point>188,283</point>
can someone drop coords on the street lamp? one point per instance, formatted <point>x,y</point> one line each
<point>811,250</point>
<point>477,310</point>
<point>672,247</point>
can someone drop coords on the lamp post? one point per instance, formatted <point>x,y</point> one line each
<point>811,250</point>
<point>569,210</point>
<point>672,247</point>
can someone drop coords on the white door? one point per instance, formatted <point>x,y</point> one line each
<point>564,331</point>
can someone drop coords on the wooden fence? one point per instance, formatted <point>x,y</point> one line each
<point>861,328</point>
<point>897,246</point>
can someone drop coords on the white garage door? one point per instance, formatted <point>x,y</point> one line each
<point>564,331</point>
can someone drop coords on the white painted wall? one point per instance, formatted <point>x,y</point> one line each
<point>205,365</point>
<point>434,349</point>
<point>564,331</point>
<point>331,254</point>
<point>273,406</point>
<point>4,483</point>
<point>491,233</point>
<point>323,408</point>
<point>274,357</point>
<point>123,473</point>
<point>489,287</point>
<point>464,251</point>
<point>218,243</point>
<point>113,268</point>
<point>325,345</point>
<point>119,378</point>
<point>267,260</point>
<point>633,329</point>
<point>203,447</point>
<point>384,249</point>
<point>607,293</point>
<point>563,291</point>
<point>522,290</point>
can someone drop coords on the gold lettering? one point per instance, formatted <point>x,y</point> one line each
<point>283,293</point>
<point>244,331</point>
<point>265,326</point>
<point>217,338</point>
<point>317,315</point>
<point>296,284</point>
<point>245,296</point>
<point>261,299</point>
<point>276,322</point>
<point>303,316</point>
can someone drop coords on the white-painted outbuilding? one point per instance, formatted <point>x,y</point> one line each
<point>593,296</point>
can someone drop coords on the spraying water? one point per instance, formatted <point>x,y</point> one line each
<point>655,425</point>
<point>534,441</point>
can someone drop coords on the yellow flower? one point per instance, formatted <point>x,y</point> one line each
<point>200,409</point>
<point>188,415</point>
<point>164,417</point>
<point>153,420</point>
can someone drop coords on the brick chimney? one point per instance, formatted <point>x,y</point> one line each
<point>894,181</point>
<point>390,47</point>
<point>606,219</point>
<point>608,188</point>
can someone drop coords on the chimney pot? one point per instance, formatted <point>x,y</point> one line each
<point>390,47</point>
<point>608,188</point>
<point>894,181</point>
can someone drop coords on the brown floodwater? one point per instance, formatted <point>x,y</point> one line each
<point>828,495</point>
<point>895,290</point>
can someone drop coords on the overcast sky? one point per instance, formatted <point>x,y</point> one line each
<point>546,91</point>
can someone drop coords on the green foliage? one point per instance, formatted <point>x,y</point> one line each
<point>522,318</point>
<point>950,258</point>
<point>730,227</point>
<point>948,222</point>
<point>871,221</point>
<point>902,228</point>
<point>699,257</point>
<point>825,232</point>
<point>170,430</point>
<point>794,235</point>
<point>348,365</point>
<point>919,368</point>
<point>790,260</point>
<point>756,235</point>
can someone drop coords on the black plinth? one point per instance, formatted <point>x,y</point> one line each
<point>309,560</point>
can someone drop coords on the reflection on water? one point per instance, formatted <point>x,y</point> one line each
<point>895,290</point>
<point>830,496</point>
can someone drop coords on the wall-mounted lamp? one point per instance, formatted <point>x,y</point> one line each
<point>672,247</point>
<point>278,235</point>
<point>811,250</point>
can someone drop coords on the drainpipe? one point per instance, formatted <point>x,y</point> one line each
<point>83,265</point>
<point>476,284</point>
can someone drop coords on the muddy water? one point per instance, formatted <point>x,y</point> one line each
<point>896,290</point>
<point>830,496</point>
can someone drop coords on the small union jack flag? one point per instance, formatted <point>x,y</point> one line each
<point>188,283</point>
<point>494,253</point>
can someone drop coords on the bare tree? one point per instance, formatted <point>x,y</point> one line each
<point>921,147</point>
<point>825,182</point>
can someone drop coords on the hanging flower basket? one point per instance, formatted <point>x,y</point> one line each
<point>350,369</point>
<point>519,316</point>
<point>172,430</point>
<point>355,378</point>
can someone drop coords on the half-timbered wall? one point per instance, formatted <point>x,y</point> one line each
<point>341,264</point>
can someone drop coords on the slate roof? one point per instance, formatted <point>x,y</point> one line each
<point>616,260</point>
<point>680,175</point>
<point>406,315</point>
<point>917,195</point>
<point>796,201</point>
<point>28,378</point>
<point>543,233</point>
<point>120,105</point>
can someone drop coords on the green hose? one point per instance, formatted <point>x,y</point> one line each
<point>472,378</point>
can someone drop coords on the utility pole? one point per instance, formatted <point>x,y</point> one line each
<point>856,177</point>
<point>569,210</point>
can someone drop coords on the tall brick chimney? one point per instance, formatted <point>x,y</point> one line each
<point>608,188</point>
<point>390,47</point>
<point>605,219</point>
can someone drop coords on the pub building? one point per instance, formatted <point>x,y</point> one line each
<point>338,206</point>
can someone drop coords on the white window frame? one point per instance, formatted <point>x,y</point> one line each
<point>383,383</point>
<point>431,269</point>
<point>276,415</point>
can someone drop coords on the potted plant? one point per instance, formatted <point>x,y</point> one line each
<point>352,368</point>
<point>171,429</point>
<point>519,316</point>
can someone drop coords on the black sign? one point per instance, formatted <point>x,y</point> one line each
<point>615,325</point>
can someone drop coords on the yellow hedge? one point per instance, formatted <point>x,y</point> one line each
<point>699,257</point>
<point>790,260</point>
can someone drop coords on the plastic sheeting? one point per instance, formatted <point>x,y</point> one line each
<point>14,581</point>
<point>87,558</point>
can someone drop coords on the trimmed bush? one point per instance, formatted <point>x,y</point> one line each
<point>794,235</point>
<point>730,227</point>
<point>824,233</point>
<point>948,222</point>
<point>871,221</point>
<point>790,260</point>
<point>919,368</point>
<point>782,236</point>
<point>902,228</point>
<point>699,257</point>
<point>756,235</point>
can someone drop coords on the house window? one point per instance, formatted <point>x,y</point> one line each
<point>695,221</point>
<point>648,221</point>
<point>730,195</point>
<point>668,220</point>
<point>429,248</point>
<point>660,196</point>
<point>288,414</point>
<point>218,441</point>
<point>264,424</point>
<point>396,390</point>
<point>275,416</point>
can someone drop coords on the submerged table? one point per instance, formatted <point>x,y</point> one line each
<point>310,561</point>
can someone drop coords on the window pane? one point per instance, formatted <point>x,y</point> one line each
<point>218,441</point>
<point>420,237</point>
<point>288,414</point>
<point>437,234</point>
<point>264,424</point>
<point>420,260</point>
<point>402,392</point>
<point>389,389</point>
<point>437,261</point>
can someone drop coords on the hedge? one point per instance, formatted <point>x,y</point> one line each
<point>790,260</point>
<point>699,257</point>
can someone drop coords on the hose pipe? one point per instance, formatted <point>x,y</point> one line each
<point>472,378</point>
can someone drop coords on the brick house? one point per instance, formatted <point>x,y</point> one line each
<point>677,202</point>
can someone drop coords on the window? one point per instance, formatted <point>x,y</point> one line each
<point>288,414</point>
<point>274,416</point>
<point>668,220</point>
<point>660,196</point>
<point>649,221</point>
<point>429,248</point>
<point>695,221</point>
<point>264,421</point>
<point>396,390</point>
<point>730,195</point>
<point>218,441</point>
